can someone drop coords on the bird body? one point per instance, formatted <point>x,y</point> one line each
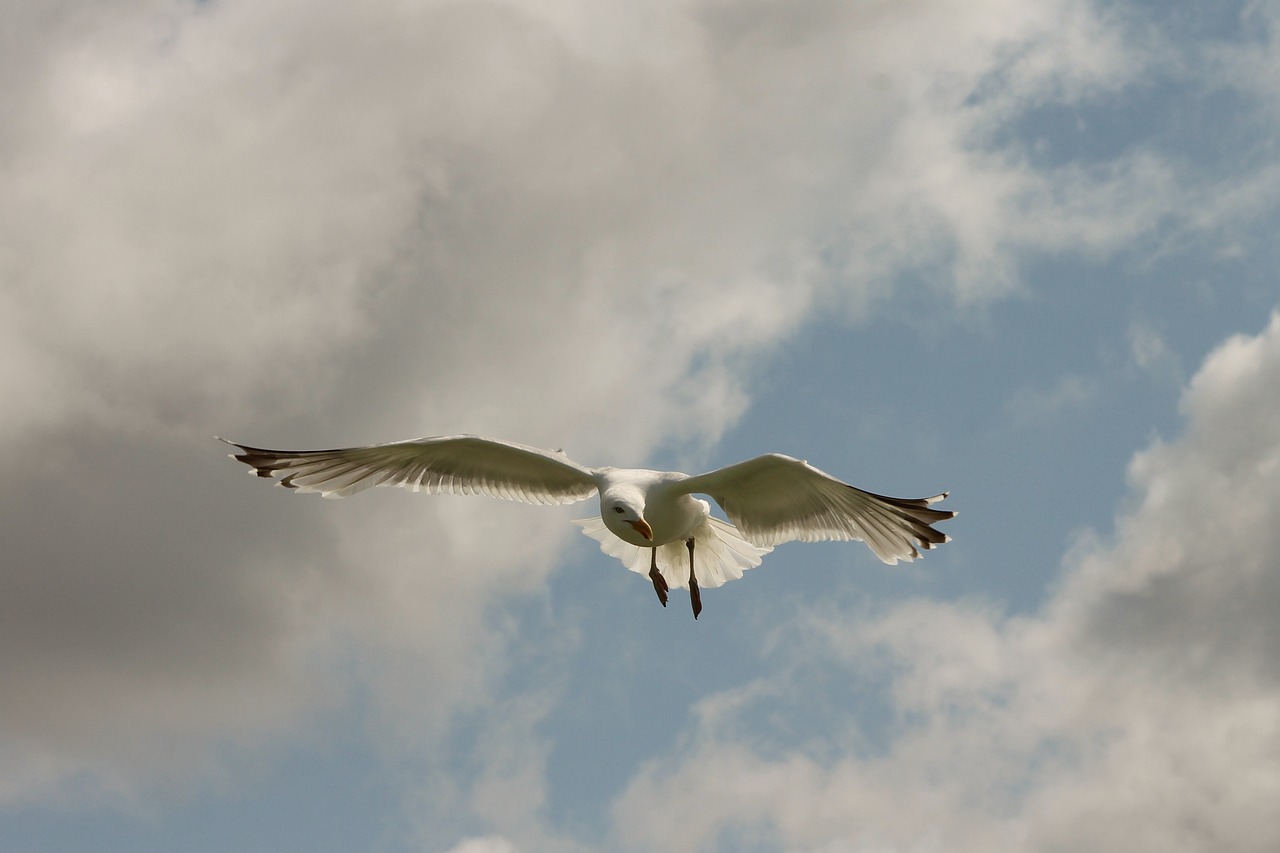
<point>649,520</point>
<point>653,495</point>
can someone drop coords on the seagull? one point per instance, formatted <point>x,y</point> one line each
<point>645,516</point>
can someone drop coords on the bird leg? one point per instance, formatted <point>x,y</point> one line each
<point>659,582</point>
<point>695,595</point>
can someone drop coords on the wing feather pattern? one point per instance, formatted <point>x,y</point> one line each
<point>450,464</point>
<point>775,498</point>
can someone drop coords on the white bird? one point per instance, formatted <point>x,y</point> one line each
<point>770,499</point>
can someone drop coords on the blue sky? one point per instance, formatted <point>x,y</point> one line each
<point>1023,251</point>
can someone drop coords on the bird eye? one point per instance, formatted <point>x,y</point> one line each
<point>618,509</point>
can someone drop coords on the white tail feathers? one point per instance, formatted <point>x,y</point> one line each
<point>720,553</point>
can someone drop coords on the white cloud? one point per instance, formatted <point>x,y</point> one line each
<point>487,844</point>
<point>334,225</point>
<point>1137,711</point>
<point>1151,353</point>
<point>1068,393</point>
<point>299,222</point>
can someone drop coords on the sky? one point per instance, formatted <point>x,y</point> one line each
<point>1020,250</point>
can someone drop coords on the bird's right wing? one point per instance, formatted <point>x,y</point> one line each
<point>776,498</point>
<point>453,464</point>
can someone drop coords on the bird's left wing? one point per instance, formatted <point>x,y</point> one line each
<point>455,464</point>
<point>776,498</point>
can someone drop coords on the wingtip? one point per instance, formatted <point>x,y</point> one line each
<point>929,545</point>
<point>951,513</point>
<point>228,441</point>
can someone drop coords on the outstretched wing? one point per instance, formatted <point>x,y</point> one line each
<point>453,464</point>
<point>776,498</point>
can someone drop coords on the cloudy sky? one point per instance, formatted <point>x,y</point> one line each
<point>1024,250</point>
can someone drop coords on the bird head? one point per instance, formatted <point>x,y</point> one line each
<point>620,512</point>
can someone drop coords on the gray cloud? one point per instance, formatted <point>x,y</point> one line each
<point>328,223</point>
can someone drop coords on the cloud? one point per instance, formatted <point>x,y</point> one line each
<point>1071,392</point>
<point>330,226</point>
<point>1136,711</point>
<point>200,171</point>
<point>1151,353</point>
<point>487,844</point>
<point>568,224</point>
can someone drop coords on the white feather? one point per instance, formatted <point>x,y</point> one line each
<point>720,554</point>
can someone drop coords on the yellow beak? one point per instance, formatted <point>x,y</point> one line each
<point>642,527</point>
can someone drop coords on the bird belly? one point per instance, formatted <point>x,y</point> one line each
<point>677,520</point>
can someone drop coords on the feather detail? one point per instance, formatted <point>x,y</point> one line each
<point>720,554</point>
